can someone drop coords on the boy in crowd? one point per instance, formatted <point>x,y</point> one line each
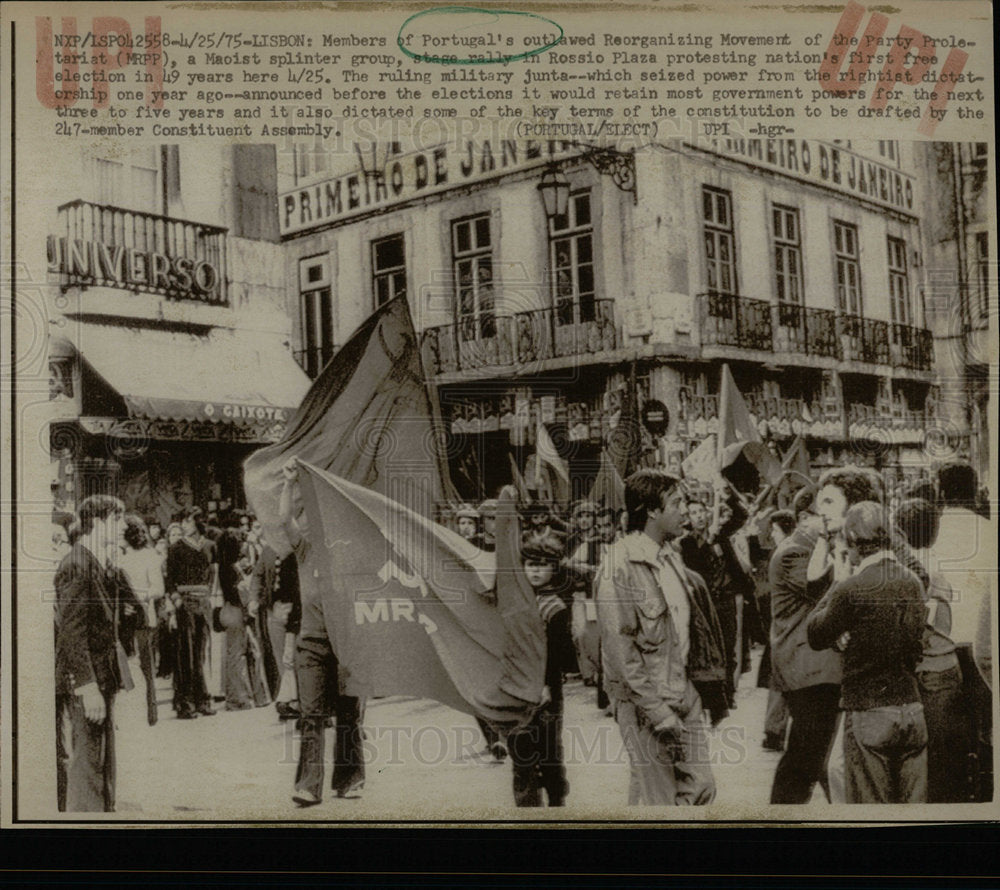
<point>536,749</point>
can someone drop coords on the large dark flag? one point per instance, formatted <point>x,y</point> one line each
<point>368,418</point>
<point>412,608</point>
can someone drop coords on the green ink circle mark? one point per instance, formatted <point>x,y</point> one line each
<point>496,13</point>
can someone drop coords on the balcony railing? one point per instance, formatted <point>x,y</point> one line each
<point>507,340</point>
<point>182,259</point>
<point>863,339</point>
<point>732,320</point>
<point>912,347</point>
<point>548,333</point>
<point>805,330</point>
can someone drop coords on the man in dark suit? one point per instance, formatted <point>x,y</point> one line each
<point>87,665</point>
<point>810,680</point>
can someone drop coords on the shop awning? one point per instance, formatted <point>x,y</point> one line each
<point>222,376</point>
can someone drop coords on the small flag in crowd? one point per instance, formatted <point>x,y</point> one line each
<point>548,458</point>
<point>743,458</point>
<point>519,484</point>
<point>412,608</point>
<point>795,473</point>
<point>367,418</point>
<point>609,487</point>
<point>625,444</point>
<point>702,464</point>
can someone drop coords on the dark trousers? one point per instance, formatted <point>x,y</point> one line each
<point>190,690</point>
<point>166,644</point>
<point>814,711</point>
<point>725,608</point>
<point>489,733</point>
<point>776,715</point>
<point>602,697</point>
<point>145,640</point>
<point>885,755</point>
<point>947,719</point>
<point>537,755</point>
<point>319,698</point>
<point>85,758</point>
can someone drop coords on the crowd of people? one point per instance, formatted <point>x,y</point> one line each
<point>872,608</point>
<point>127,587</point>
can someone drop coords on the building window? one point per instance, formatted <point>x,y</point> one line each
<point>315,314</point>
<point>983,276</point>
<point>899,286</point>
<point>848,268</point>
<point>571,254</point>
<point>388,269</point>
<point>472,265</point>
<point>889,149</point>
<point>309,160</point>
<point>720,245</point>
<point>133,183</point>
<point>787,254</point>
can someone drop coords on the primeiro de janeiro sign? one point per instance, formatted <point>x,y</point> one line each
<point>409,176</point>
<point>113,265</point>
<point>821,163</point>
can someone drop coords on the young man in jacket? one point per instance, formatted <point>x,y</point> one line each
<point>658,630</point>
<point>87,666</point>
<point>809,680</point>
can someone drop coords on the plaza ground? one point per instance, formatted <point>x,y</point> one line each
<point>424,761</point>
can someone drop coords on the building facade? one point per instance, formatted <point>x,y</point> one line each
<point>798,263</point>
<point>961,289</point>
<point>166,298</point>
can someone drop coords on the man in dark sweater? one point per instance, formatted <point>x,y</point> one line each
<point>188,582</point>
<point>881,610</point>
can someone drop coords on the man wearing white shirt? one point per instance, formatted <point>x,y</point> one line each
<point>965,550</point>
<point>658,630</point>
<point>143,568</point>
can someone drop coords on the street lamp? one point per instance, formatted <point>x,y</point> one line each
<point>619,165</point>
<point>554,189</point>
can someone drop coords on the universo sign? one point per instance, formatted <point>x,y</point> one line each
<point>180,277</point>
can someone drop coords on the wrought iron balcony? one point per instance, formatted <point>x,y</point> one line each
<point>805,330</point>
<point>469,345</point>
<point>912,347</point>
<point>583,329</point>
<point>863,339</point>
<point>508,340</point>
<point>732,320</point>
<point>99,244</point>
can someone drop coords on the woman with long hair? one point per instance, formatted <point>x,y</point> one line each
<point>243,681</point>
